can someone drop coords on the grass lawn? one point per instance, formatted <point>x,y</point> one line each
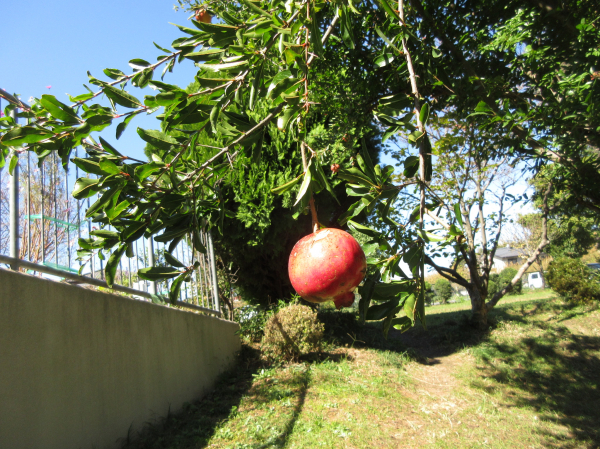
<point>530,382</point>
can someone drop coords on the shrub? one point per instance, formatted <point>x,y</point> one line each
<point>573,280</point>
<point>252,322</point>
<point>291,332</point>
<point>443,290</point>
<point>492,288</point>
<point>504,279</point>
<point>429,294</point>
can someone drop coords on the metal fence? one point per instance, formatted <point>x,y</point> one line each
<point>40,224</point>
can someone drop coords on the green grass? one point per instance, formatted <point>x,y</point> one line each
<point>531,381</point>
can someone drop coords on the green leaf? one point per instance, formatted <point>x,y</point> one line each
<point>315,34</point>
<point>122,98</point>
<point>112,264</point>
<point>109,167</point>
<point>114,74</point>
<point>410,307</point>
<point>206,55</point>
<point>366,291</point>
<point>85,187</point>
<point>384,59</point>
<point>105,234</point>
<point>388,8</point>
<point>411,166</point>
<point>138,64</point>
<point>255,8</point>
<point>102,201</point>
<point>458,215</point>
<point>115,211</point>
<point>145,170</point>
<point>424,114</point>
<point>289,114</point>
<point>171,260</point>
<point>363,229</point>
<point>386,40</point>
<point>157,138</point>
<point>255,87</point>
<point>176,288</point>
<point>121,126</point>
<point>109,148</point>
<point>14,160</point>
<point>365,163</point>
<point>24,134</point>
<point>287,186</point>
<point>134,231</point>
<point>224,67</point>
<point>346,27</point>
<point>304,188</point>
<point>355,176</point>
<point>352,212</point>
<point>197,242</point>
<point>99,122</point>
<point>59,110</point>
<point>158,273</point>
<point>380,311</point>
<point>88,166</point>
<point>384,291</point>
<point>402,324</point>
<point>323,179</point>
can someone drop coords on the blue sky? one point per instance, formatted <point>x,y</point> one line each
<point>56,43</point>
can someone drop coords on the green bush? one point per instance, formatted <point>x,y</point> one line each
<point>504,279</point>
<point>573,280</point>
<point>291,332</point>
<point>429,294</point>
<point>252,321</point>
<point>443,290</point>
<point>492,288</point>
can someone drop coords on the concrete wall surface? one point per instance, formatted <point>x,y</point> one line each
<point>79,367</point>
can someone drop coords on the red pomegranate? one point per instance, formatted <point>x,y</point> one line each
<point>203,16</point>
<point>327,266</point>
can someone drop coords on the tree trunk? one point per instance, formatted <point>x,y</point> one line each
<point>479,312</point>
<point>539,262</point>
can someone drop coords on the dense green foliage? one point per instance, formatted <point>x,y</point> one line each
<point>291,332</point>
<point>523,74</point>
<point>573,280</point>
<point>443,290</point>
<point>504,279</point>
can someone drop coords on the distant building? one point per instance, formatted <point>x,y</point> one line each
<point>508,256</point>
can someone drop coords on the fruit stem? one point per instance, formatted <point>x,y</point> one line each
<point>311,202</point>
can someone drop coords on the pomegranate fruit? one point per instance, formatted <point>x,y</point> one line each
<point>203,16</point>
<point>327,266</point>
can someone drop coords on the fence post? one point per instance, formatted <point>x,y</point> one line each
<point>213,272</point>
<point>14,209</point>
<point>152,286</point>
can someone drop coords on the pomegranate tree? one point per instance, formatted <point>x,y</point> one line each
<point>327,265</point>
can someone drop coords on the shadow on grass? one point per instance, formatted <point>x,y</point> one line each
<point>281,440</point>
<point>196,423</point>
<point>447,332</point>
<point>556,374</point>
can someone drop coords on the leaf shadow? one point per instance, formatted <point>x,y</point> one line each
<point>556,374</point>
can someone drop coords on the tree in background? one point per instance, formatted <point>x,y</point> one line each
<point>48,215</point>
<point>470,198</point>
<point>443,290</point>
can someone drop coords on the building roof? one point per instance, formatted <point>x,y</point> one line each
<point>506,253</point>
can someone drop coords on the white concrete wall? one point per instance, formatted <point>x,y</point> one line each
<point>79,367</point>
